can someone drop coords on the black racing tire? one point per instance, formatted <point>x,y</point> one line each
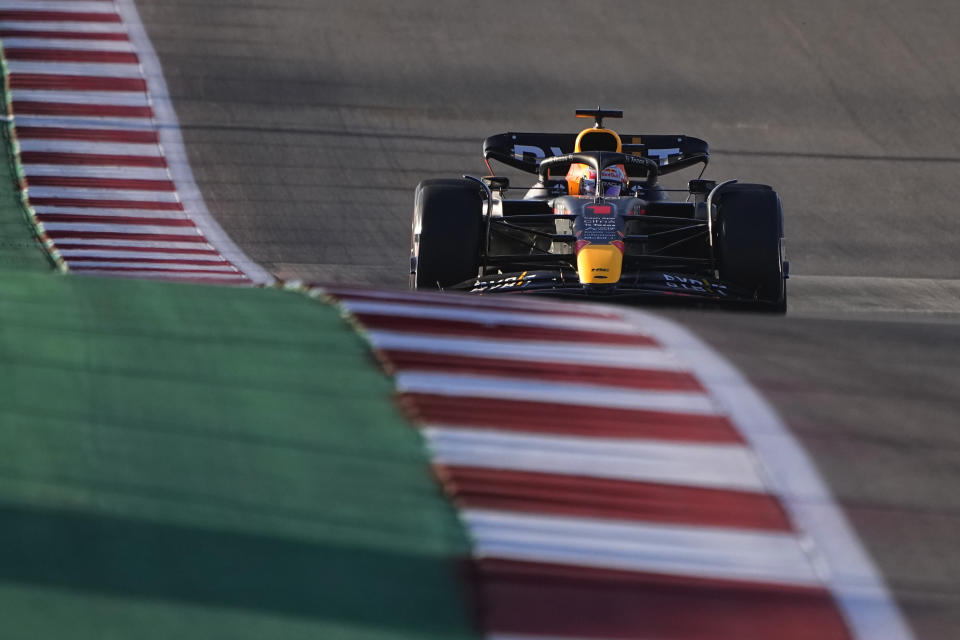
<point>447,232</point>
<point>750,244</point>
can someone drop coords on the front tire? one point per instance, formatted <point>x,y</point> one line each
<point>447,232</point>
<point>750,244</point>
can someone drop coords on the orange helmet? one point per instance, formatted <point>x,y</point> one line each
<point>582,181</point>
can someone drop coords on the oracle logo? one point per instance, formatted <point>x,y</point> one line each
<point>524,151</point>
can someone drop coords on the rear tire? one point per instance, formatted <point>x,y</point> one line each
<point>447,231</point>
<point>750,244</point>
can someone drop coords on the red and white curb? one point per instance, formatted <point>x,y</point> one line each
<point>617,478</point>
<point>106,171</point>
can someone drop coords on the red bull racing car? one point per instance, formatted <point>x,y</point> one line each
<point>597,223</point>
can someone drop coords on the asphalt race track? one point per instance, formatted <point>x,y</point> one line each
<point>309,123</point>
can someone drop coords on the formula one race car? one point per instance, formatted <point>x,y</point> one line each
<point>598,224</point>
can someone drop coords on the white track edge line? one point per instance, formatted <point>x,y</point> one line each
<point>171,140</point>
<point>858,587</point>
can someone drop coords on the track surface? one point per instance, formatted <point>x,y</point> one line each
<point>309,123</point>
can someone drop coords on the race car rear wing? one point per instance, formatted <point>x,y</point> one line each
<point>524,151</point>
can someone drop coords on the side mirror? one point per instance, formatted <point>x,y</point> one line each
<point>701,187</point>
<point>497,183</point>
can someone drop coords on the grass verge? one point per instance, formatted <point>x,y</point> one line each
<point>209,462</point>
<point>22,241</point>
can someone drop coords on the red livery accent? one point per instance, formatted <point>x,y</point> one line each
<point>599,209</point>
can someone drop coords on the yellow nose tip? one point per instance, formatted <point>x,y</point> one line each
<point>597,264</point>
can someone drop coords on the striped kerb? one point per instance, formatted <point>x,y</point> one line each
<point>606,491</point>
<point>607,488</point>
<point>95,171</point>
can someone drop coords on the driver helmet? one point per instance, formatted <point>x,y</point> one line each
<point>582,180</point>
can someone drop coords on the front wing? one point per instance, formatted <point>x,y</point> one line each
<point>636,286</point>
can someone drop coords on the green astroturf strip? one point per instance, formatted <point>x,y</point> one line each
<point>19,245</point>
<point>184,461</point>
